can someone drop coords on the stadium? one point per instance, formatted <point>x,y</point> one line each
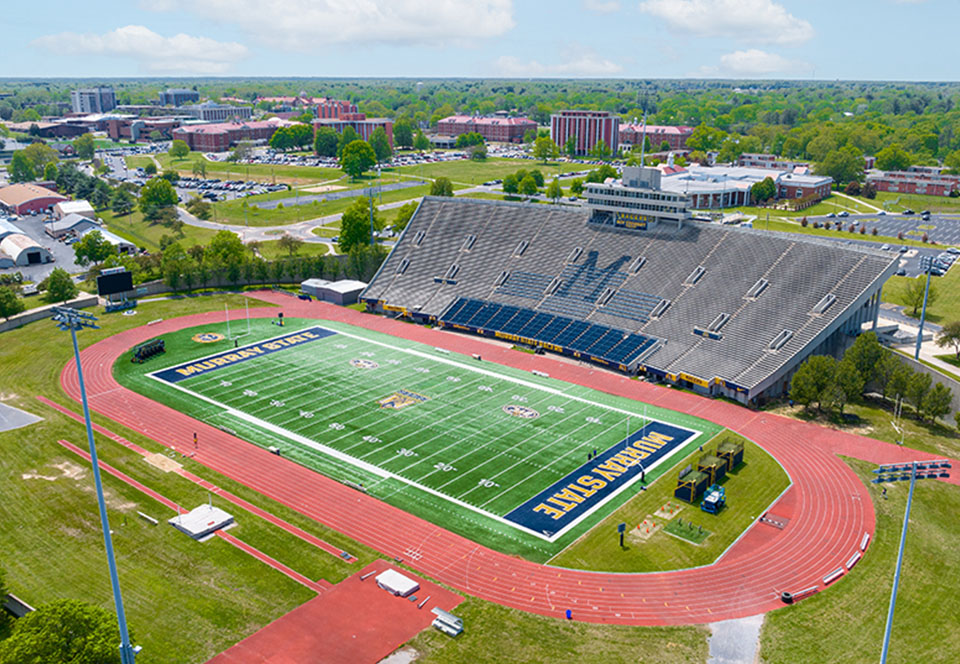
<point>723,311</point>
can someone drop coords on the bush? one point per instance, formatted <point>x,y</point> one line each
<point>803,222</point>
<point>874,231</point>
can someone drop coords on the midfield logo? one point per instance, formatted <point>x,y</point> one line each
<point>402,399</point>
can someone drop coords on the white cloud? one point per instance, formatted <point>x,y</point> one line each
<point>155,53</point>
<point>754,63</point>
<point>760,21</point>
<point>578,62</point>
<point>602,6</point>
<point>308,25</point>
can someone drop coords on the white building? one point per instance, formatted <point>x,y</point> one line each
<point>93,100</point>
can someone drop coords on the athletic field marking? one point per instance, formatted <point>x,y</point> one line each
<point>382,473</point>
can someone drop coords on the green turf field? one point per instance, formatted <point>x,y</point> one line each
<point>463,443</point>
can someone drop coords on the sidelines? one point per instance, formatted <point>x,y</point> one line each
<point>384,474</point>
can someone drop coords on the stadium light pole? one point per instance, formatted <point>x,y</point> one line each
<point>73,320</point>
<point>927,470</point>
<point>926,264</point>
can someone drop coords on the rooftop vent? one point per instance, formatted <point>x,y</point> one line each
<point>780,340</point>
<point>695,275</point>
<point>404,264</point>
<point>660,309</point>
<point>824,304</point>
<point>522,247</point>
<point>756,289</point>
<point>637,264</point>
<point>502,279</point>
<point>419,238</point>
<point>719,322</point>
<point>574,255</point>
<point>468,243</point>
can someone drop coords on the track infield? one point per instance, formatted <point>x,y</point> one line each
<point>518,462</point>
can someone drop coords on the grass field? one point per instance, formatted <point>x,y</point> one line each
<point>750,489</point>
<point>446,448</point>
<point>465,172</point>
<point>946,306</point>
<point>144,234</point>
<point>846,623</point>
<point>53,547</point>
<point>225,170</point>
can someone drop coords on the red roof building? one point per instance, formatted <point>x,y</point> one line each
<point>501,129</point>
<point>676,137</point>
<point>221,136</point>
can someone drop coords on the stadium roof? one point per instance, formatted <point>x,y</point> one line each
<point>719,299</point>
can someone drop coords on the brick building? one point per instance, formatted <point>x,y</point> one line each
<point>676,137</point>
<point>222,136</point>
<point>134,129</point>
<point>757,160</point>
<point>178,96</point>
<point>907,182</point>
<point>587,128</point>
<point>501,129</point>
<point>27,198</point>
<point>327,109</point>
<point>363,125</point>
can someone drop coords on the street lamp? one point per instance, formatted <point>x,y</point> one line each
<point>926,265</point>
<point>913,471</point>
<point>73,320</point>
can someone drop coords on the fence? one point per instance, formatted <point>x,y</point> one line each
<point>81,302</point>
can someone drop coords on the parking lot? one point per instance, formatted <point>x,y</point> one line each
<point>940,228</point>
<point>63,255</point>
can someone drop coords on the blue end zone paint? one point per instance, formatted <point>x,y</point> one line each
<point>558,506</point>
<point>242,354</point>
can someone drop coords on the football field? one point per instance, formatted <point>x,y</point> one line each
<point>527,453</point>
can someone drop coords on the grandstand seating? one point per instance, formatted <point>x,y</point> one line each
<point>577,285</point>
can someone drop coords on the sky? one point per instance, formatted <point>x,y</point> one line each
<point>777,39</point>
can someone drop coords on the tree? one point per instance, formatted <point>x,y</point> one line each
<point>403,132</point>
<point>576,187</point>
<point>883,370</point>
<point>853,188</point>
<point>179,149</point>
<point>554,191</point>
<point>155,195</point>
<point>528,186</point>
<point>290,244</point>
<point>93,248</point>
<point>199,208</point>
<point>225,249</point>
<point>900,381</point>
<point>913,293</point>
<point>421,142</point>
<point>441,186</point>
<point>325,142</point>
<point>950,336</point>
<point>347,136</point>
<point>570,146</point>
<point>600,150</point>
<point>848,383</point>
<point>175,263</point>
<point>380,144</point>
<point>467,139</point>
<point>952,162</point>
<point>665,146</point>
<point>764,190</point>
<point>936,403</point>
<point>814,382</point>
<point>10,305</point>
<point>150,168</point>
<point>894,158</point>
<point>65,630</point>
<point>170,176</point>
<point>50,172</point>
<point>243,151</point>
<point>60,286</point>
<point>510,184</point>
<point>21,168</point>
<point>544,148</point>
<point>865,354</point>
<point>530,135</point>
<point>40,154</point>
<point>355,225</point>
<point>199,168</point>
<point>404,214</point>
<point>121,202</point>
<point>869,190</point>
<point>357,157</point>
<point>477,152</point>
<point>917,389</point>
<point>6,620</point>
<point>842,165</point>
<point>84,146</point>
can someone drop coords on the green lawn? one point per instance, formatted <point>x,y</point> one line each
<point>235,212</point>
<point>794,227</point>
<point>50,527</point>
<point>225,170</point>
<point>944,307</point>
<point>144,234</point>
<point>471,173</point>
<point>916,202</point>
<point>454,456</point>
<point>750,490</point>
<point>271,250</point>
<point>831,204</point>
<point>493,633</point>
<point>846,623</point>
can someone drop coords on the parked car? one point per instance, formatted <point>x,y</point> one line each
<point>844,214</point>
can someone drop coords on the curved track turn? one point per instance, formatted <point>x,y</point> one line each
<point>828,508</point>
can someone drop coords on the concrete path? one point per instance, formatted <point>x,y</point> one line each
<point>735,641</point>
<point>857,200</point>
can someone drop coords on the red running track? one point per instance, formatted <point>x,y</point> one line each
<point>828,508</point>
